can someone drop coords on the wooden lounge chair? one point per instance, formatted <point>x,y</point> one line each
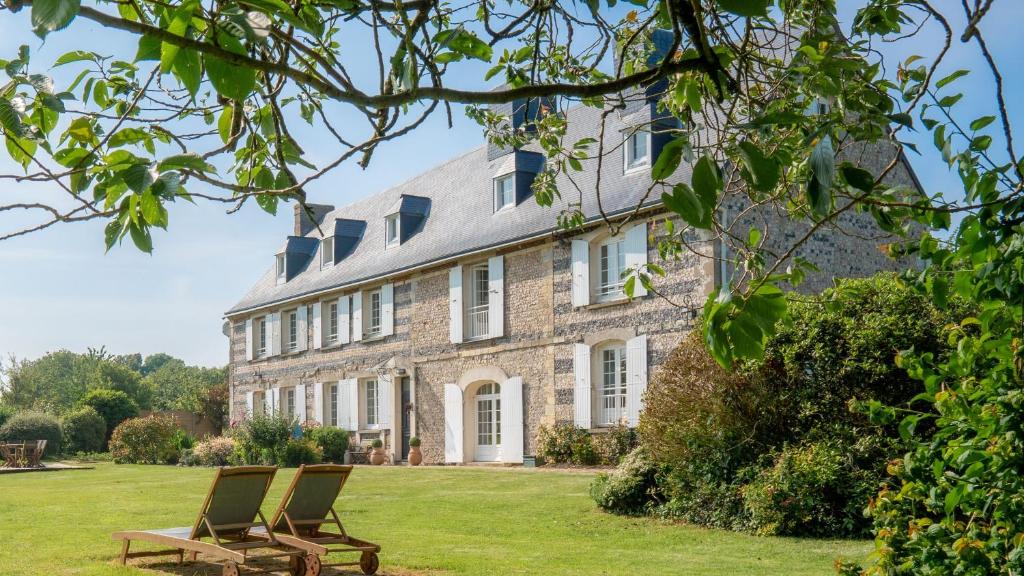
<point>308,504</point>
<point>228,517</point>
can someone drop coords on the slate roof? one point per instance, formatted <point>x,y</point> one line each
<point>461,219</point>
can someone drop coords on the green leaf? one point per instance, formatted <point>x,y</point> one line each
<point>465,42</point>
<point>823,169</point>
<point>858,178</point>
<point>185,162</point>
<point>980,123</point>
<point>50,15</point>
<point>668,160</point>
<point>81,130</point>
<point>688,205</point>
<point>952,77</point>
<point>10,119</point>
<point>230,80</point>
<point>178,26</point>
<point>189,70</point>
<point>141,237</point>
<point>762,171</point>
<point>749,8</point>
<point>74,56</point>
<point>902,118</point>
<point>138,177</point>
<point>149,49</point>
<point>127,136</point>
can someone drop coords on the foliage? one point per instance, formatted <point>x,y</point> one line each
<point>113,405</point>
<point>631,488</point>
<point>6,412</point>
<point>148,440</point>
<point>34,426</point>
<point>566,444</point>
<point>115,376</point>
<point>615,443</point>
<point>183,440</point>
<point>333,443</point>
<point>301,451</point>
<point>192,389</point>
<point>414,442</point>
<point>377,443</point>
<point>214,451</point>
<point>84,431</point>
<point>261,439</point>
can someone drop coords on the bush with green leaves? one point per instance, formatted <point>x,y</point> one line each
<point>148,440</point>
<point>261,439</point>
<point>214,451</point>
<point>84,431</point>
<point>615,443</point>
<point>333,443</point>
<point>299,451</point>
<point>34,426</point>
<point>113,405</point>
<point>414,442</point>
<point>6,412</point>
<point>631,488</point>
<point>566,444</point>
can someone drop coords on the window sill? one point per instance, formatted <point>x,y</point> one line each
<point>478,340</point>
<point>637,169</point>
<point>618,301</point>
<point>331,347</point>
<point>373,338</point>
<point>604,429</point>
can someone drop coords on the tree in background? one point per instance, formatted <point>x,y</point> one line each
<point>114,406</point>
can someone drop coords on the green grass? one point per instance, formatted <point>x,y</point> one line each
<point>428,520</point>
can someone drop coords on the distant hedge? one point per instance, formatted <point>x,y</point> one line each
<point>34,426</point>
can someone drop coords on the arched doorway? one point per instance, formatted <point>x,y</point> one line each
<point>487,411</point>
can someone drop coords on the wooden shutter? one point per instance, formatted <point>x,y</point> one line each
<point>384,394</point>
<point>496,306</point>
<point>387,310</point>
<point>301,332</point>
<point>318,402</point>
<point>348,404</point>
<point>636,254</point>
<point>512,420</point>
<point>317,327</point>
<point>343,320</point>
<point>249,352</point>
<point>300,403</point>
<point>580,273</point>
<point>270,401</point>
<point>357,316</point>
<point>453,441</point>
<point>455,304</point>
<point>249,397</point>
<point>636,377</point>
<point>582,390</point>
<point>274,321</point>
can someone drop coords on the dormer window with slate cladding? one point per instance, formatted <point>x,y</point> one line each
<point>340,240</point>
<point>405,219</point>
<point>294,257</point>
<point>513,178</point>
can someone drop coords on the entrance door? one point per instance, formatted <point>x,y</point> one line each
<point>488,423</point>
<point>406,416</point>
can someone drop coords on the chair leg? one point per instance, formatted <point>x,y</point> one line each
<point>192,556</point>
<point>181,556</point>
<point>124,551</point>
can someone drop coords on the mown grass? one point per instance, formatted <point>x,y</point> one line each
<point>428,520</point>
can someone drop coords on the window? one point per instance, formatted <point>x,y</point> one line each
<point>613,385</point>
<point>488,422</point>
<point>637,155</point>
<point>326,253</point>
<point>259,407</point>
<point>392,228</point>
<point>373,316</point>
<point>289,403</point>
<point>292,317</point>
<point>612,264</point>
<point>332,412</point>
<point>504,192</point>
<point>370,393</point>
<point>477,313</point>
<point>281,269</point>
<point>261,337</point>
<point>332,323</point>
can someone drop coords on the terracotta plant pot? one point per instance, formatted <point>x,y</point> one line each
<point>415,456</point>
<point>377,457</point>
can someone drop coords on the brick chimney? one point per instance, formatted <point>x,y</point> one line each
<point>308,217</point>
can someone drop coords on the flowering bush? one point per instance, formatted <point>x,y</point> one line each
<point>214,451</point>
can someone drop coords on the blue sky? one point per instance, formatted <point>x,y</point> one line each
<point>58,289</point>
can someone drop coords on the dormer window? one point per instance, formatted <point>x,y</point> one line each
<point>281,269</point>
<point>504,192</point>
<point>637,150</point>
<point>392,228</point>
<point>327,252</point>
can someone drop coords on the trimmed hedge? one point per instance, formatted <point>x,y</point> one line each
<point>333,443</point>
<point>34,426</point>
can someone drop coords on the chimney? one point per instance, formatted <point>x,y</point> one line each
<point>305,222</point>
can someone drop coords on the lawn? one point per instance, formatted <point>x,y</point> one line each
<point>428,520</point>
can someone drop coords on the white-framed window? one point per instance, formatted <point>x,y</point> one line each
<point>478,311</point>
<point>637,150</point>
<point>331,336</point>
<point>392,229</point>
<point>281,268</point>
<point>611,265</point>
<point>504,192</point>
<point>261,337</point>
<point>332,411</point>
<point>371,395</point>
<point>327,252</point>
<point>292,335</point>
<point>373,313</point>
<point>259,407</point>
<point>289,403</point>
<point>612,384</point>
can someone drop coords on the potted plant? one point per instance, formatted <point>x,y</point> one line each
<point>377,457</point>
<point>415,454</point>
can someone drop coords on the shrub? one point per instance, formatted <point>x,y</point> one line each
<point>301,451</point>
<point>333,443</point>
<point>566,444</point>
<point>113,405</point>
<point>377,443</point>
<point>84,431</point>
<point>414,442</point>
<point>34,426</point>
<point>6,412</point>
<point>214,451</point>
<point>615,444</point>
<point>262,439</point>
<point>183,440</point>
<point>148,440</point>
<point>631,488</point>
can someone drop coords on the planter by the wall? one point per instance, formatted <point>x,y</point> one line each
<point>377,457</point>
<point>415,456</point>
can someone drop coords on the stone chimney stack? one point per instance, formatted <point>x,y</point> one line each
<point>308,217</point>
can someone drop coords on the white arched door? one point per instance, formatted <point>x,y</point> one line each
<point>488,423</point>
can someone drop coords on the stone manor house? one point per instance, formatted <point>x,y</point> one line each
<point>452,308</point>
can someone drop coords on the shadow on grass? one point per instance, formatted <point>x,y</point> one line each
<point>201,568</point>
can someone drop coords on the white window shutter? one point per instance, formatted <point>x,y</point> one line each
<point>582,390</point>
<point>274,321</point>
<point>248,340</point>
<point>318,402</point>
<point>453,440</point>
<point>636,377</point>
<point>455,304</point>
<point>496,286</point>
<point>301,332</point>
<point>384,385</point>
<point>387,310</point>
<point>512,420</point>
<point>343,320</point>
<point>357,316</point>
<point>580,273</point>
<point>317,327</point>
<point>636,254</point>
<point>300,403</point>
<point>270,401</point>
<point>249,397</point>
<point>353,404</point>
